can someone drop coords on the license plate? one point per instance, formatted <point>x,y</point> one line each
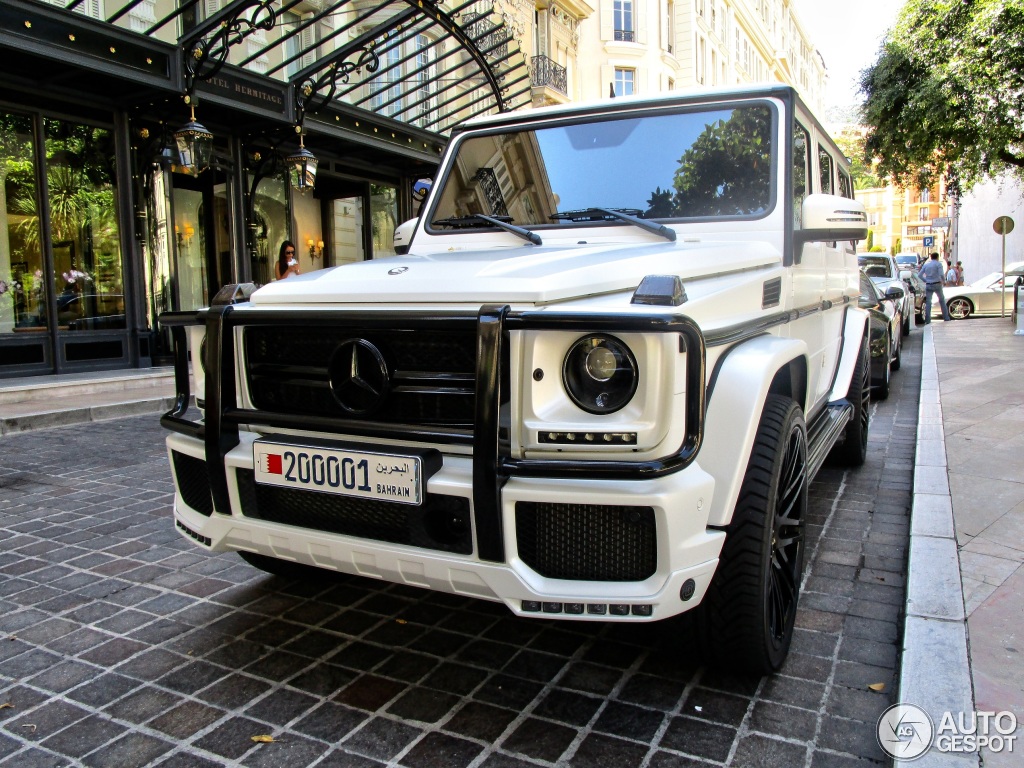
<point>369,475</point>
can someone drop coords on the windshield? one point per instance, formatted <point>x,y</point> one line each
<point>715,163</point>
<point>876,266</point>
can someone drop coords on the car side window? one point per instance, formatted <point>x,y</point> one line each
<point>825,170</point>
<point>845,184</point>
<point>801,164</point>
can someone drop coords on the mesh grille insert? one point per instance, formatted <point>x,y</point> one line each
<point>193,482</point>
<point>587,542</point>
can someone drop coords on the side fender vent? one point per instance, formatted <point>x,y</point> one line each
<point>771,293</point>
<point>660,290</point>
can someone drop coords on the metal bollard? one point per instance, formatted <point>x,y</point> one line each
<point>1020,311</point>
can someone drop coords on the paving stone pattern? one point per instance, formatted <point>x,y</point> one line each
<point>123,645</point>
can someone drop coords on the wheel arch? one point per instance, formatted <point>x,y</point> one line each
<point>736,400</point>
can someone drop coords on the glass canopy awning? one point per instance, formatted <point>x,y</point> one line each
<point>428,65</point>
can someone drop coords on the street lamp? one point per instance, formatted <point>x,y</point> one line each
<point>195,145</point>
<point>302,167</point>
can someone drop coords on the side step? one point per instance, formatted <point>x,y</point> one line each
<point>824,432</point>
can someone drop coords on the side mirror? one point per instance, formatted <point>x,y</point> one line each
<point>828,218</point>
<point>403,236</point>
<point>894,292</point>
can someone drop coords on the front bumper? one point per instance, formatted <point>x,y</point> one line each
<point>687,551</point>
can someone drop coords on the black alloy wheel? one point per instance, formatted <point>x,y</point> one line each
<point>749,611</point>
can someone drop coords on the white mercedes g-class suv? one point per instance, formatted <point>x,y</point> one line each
<point>623,340</point>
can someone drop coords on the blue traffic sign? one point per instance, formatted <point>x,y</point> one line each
<point>929,242</point>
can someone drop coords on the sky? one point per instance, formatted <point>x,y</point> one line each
<point>848,35</point>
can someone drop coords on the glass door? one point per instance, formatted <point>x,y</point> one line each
<point>202,244</point>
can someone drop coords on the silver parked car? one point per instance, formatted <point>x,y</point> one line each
<point>983,297</point>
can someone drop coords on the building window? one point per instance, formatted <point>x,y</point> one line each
<point>924,215</point>
<point>424,76</point>
<point>623,17</point>
<point>386,92</point>
<point>670,27</point>
<point>926,195</point>
<point>624,81</point>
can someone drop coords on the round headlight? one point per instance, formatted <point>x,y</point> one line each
<point>600,374</point>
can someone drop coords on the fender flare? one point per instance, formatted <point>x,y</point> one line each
<point>854,328</point>
<point>742,384</point>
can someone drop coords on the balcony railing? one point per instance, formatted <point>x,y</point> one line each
<point>625,35</point>
<point>546,73</point>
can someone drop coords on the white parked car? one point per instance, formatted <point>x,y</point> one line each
<point>984,297</point>
<point>623,340</point>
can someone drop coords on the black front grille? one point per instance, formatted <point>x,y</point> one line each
<point>441,523</point>
<point>193,482</point>
<point>587,542</point>
<point>432,373</point>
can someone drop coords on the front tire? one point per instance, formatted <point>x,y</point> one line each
<point>286,569</point>
<point>750,606</point>
<point>897,360</point>
<point>959,308</point>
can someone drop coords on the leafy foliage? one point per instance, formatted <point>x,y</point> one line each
<point>862,172</point>
<point>726,172</point>
<point>946,94</point>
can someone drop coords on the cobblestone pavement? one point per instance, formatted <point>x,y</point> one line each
<point>121,644</point>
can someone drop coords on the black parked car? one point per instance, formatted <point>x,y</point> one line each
<point>886,312</point>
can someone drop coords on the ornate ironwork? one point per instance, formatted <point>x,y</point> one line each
<point>546,73</point>
<point>625,35</point>
<point>206,51</point>
<point>492,191</point>
<point>316,91</point>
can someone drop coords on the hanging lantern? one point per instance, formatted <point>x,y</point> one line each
<point>195,146</point>
<point>302,168</point>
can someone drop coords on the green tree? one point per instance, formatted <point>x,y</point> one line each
<point>943,97</point>
<point>871,239</point>
<point>862,171</point>
<point>725,172</point>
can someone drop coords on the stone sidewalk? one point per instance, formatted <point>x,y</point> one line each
<point>980,366</point>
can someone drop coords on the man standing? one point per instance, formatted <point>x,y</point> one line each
<point>932,275</point>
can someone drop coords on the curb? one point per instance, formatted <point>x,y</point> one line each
<point>69,417</point>
<point>935,670</point>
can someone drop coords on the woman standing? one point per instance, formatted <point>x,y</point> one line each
<point>287,263</point>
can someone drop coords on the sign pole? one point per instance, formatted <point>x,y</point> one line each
<point>1003,226</point>
<point>1002,310</point>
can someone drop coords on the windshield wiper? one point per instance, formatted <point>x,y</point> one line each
<point>628,215</point>
<point>502,222</point>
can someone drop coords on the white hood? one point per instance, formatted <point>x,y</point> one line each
<point>529,274</point>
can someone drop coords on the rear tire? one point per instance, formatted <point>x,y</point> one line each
<point>853,451</point>
<point>748,613</point>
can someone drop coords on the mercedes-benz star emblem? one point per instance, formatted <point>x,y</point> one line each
<point>398,270</point>
<point>359,377</point>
